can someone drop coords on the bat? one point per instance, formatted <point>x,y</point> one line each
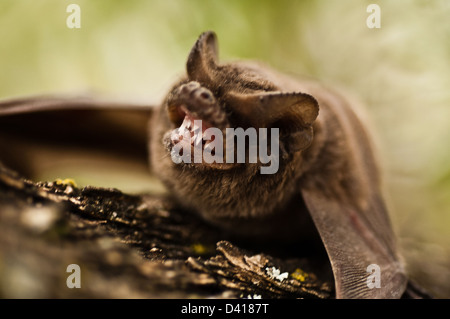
<point>326,186</point>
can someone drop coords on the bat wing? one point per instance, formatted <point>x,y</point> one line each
<point>354,243</point>
<point>344,198</point>
<point>46,103</point>
<point>31,127</point>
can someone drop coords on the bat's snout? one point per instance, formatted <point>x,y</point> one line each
<point>193,90</point>
<point>195,102</point>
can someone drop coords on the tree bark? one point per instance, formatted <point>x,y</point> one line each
<point>130,246</point>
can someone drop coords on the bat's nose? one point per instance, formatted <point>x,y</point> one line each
<point>193,91</point>
<point>195,99</point>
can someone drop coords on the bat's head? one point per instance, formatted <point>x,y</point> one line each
<point>228,140</point>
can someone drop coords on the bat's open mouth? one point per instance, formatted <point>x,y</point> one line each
<point>193,109</point>
<point>190,132</point>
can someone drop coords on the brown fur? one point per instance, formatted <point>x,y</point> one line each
<point>327,161</point>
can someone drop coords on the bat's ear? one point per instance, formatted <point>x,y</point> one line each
<point>202,60</point>
<point>293,113</point>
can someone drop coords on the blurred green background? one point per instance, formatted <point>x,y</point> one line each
<point>135,49</point>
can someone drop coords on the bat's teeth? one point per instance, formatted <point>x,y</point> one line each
<point>196,127</point>
<point>196,137</point>
<point>175,136</point>
<point>178,134</point>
